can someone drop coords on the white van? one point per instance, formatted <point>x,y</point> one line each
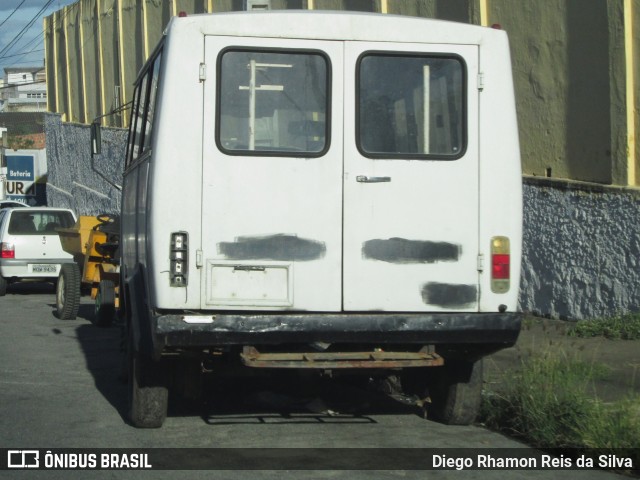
<point>323,190</point>
<point>30,247</point>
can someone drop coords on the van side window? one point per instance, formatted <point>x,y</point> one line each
<point>143,112</point>
<point>151,105</point>
<point>273,103</point>
<point>411,106</point>
<point>140,121</point>
<point>132,126</point>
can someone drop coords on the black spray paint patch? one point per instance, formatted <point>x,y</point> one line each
<point>449,295</point>
<point>401,250</point>
<point>273,247</point>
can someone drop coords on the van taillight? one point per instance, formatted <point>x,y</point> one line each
<point>179,258</point>
<point>7,250</point>
<point>500,264</point>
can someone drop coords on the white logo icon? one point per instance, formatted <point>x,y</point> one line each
<point>23,459</point>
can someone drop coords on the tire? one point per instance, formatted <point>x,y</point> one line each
<point>148,392</point>
<point>456,395</point>
<point>3,286</point>
<point>454,390</point>
<point>105,304</point>
<point>68,292</point>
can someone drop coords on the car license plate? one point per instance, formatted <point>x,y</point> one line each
<point>44,268</point>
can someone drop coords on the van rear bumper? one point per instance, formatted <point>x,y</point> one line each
<point>497,329</point>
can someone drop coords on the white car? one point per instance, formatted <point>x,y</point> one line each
<point>11,204</point>
<point>30,247</point>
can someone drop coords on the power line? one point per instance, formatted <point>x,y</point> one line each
<point>13,85</point>
<point>65,13</point>
<point>23,53</point>
<point>11,14</point>
<point>20,34</point>
<point>36,39</point>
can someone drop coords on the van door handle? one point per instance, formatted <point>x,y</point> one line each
<point>365,179</point>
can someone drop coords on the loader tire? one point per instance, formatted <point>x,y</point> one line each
<point>105,304</point>
<point>68,291</point>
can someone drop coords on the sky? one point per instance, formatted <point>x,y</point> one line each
<point>22,45</point>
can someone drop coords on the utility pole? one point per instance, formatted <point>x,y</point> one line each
<point>3,163</point>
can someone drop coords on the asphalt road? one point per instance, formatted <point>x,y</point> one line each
<point>59,388</point>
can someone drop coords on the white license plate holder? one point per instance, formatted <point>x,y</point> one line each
<point>267,285</point>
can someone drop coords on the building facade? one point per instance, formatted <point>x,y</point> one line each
<point>575,67</point>
<point>24,90</point>
<point>23,102</point>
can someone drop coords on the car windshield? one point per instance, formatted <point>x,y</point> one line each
<point>28,222</point>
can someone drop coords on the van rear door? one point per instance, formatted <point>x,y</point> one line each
<point>296,216</point>
<point>411,177</point>
<point>272,175</point>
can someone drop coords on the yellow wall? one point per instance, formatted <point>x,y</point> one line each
<point>573,61</point>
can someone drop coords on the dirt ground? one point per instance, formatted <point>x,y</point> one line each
<point>621,357</point>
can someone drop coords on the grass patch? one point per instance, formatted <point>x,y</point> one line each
<point>549,403</point>
<point>623,327</point>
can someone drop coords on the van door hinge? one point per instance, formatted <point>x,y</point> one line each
<point>203,72</point>
<point>198,258</point>
<point>481,81</point>
<point>480,262</point>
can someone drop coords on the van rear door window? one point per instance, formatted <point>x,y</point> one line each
<point>411,106</point>
<point>273,103</point>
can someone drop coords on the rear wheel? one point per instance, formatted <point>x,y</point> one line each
<point>456,397</point>
<point>454,390</point>
<point>68,291</point>
<point>148,392</point>
<point>105,303</point>
<point>3,286</point>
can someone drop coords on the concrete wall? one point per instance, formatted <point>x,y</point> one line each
<point>633,90</point>
<point>581,255</point>
<point>71,182</point>
<point>581,249</point>
<point>560,52</point>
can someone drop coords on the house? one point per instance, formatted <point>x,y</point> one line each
<point>24,90</point>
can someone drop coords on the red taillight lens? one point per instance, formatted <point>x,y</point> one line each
<point>500,264</point>
<point>7,250</point>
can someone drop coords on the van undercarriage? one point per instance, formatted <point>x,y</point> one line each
<point>433,355</point>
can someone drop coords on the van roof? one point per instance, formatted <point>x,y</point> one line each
<point>334,25</point>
